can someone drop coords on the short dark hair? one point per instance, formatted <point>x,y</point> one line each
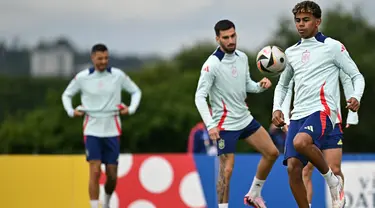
<point>99,47</point>
<point>309,7</point>
<point>223,25</point>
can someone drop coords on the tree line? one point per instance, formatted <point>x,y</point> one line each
<point>33,121</point>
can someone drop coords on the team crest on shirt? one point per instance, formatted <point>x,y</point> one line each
<point>305,57</point>
<point>100,85</point>
<point>234,72</point>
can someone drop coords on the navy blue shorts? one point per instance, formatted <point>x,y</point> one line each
<point>334,139</point>
<point>228,139</point>
<point>105,149</point>
<point>317,125</point>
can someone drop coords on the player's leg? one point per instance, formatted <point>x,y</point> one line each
<point>307,142</point>
<point>306,175</point>
<point>332,150</point>
<point>111,153</point>
<point>93,156</point>
<point>262,142</point>
<point>226,147</point>
<point>334,158</point>
<point>256,136</point>
<point>295,163</point>
<point>225,173</point>
<point>295,167</point>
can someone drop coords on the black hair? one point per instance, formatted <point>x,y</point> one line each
<point>223,25</point>
<point>99,48</point>
<point>309,7</point>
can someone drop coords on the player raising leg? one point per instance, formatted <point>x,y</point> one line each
<point>314,64</point>
<point>225,76</point>
<point>331,145</point>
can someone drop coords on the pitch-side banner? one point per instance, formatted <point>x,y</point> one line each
<point>187,181</point>
<point>144,181</point>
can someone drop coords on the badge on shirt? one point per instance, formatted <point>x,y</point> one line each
<point>100,84</point>
<point>305,57</point>
<point>234,72</point>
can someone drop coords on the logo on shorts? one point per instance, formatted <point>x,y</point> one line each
<point>221,143</point>
<point>310,128</point>
<point>87,152</point>
<point>340,142</point>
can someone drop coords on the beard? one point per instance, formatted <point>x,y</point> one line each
<point>228,49</point>
<point>101,67</point>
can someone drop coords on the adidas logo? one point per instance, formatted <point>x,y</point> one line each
<point>340,142</point>
<point>310,128</point>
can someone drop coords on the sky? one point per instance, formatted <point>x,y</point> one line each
<point>144,27</point>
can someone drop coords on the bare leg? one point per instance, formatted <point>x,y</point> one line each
<point>225,173</point>
<point>307,173</point>
<point>334,158</point>
<point>110,184</point>
<point>295,167</point>
<point>94,179</point>
<point>262,142</point>
<point>304,145</point>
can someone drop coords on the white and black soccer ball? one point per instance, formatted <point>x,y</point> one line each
<point>271,60</point>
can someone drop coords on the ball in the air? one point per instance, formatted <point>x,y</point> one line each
<point>271,60</point>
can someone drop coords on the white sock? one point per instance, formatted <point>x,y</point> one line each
<point>94,203</point>
<point>256,187</point>
<point>331,179</point>
<point>107,198</point>
<point>310,205</point>
<point>223,205</point>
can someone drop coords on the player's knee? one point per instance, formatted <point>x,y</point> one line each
<point>336,169</point>
<point>273,154</point>
<point>112,178</point>
<point>306,173</point>
<point>294,168</point>
<point>301,142</point>
<point>228,172</point>
<point>95,174</point>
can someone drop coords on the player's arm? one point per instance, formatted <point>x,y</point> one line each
<point>205,82</point>
<point>72,89</point>
<point>282,87</point>
<point>345,62</point>
<point>136,93</point>
<point>255,87</point>
<point>347,85</point>
<point>287,103</point>
<point>279,96</point>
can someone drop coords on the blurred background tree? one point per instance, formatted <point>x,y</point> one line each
<point>32,119</point>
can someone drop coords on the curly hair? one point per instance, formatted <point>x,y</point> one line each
<point>309,7</point>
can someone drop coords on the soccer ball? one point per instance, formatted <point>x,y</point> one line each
<point>271,60</point>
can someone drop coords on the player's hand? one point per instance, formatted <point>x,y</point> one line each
<point>265,83</point>
<point>353,104</point>
<point>278,118</point>
<point>214,134</point>
<point>78,113</point>
<point>124,110</point>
